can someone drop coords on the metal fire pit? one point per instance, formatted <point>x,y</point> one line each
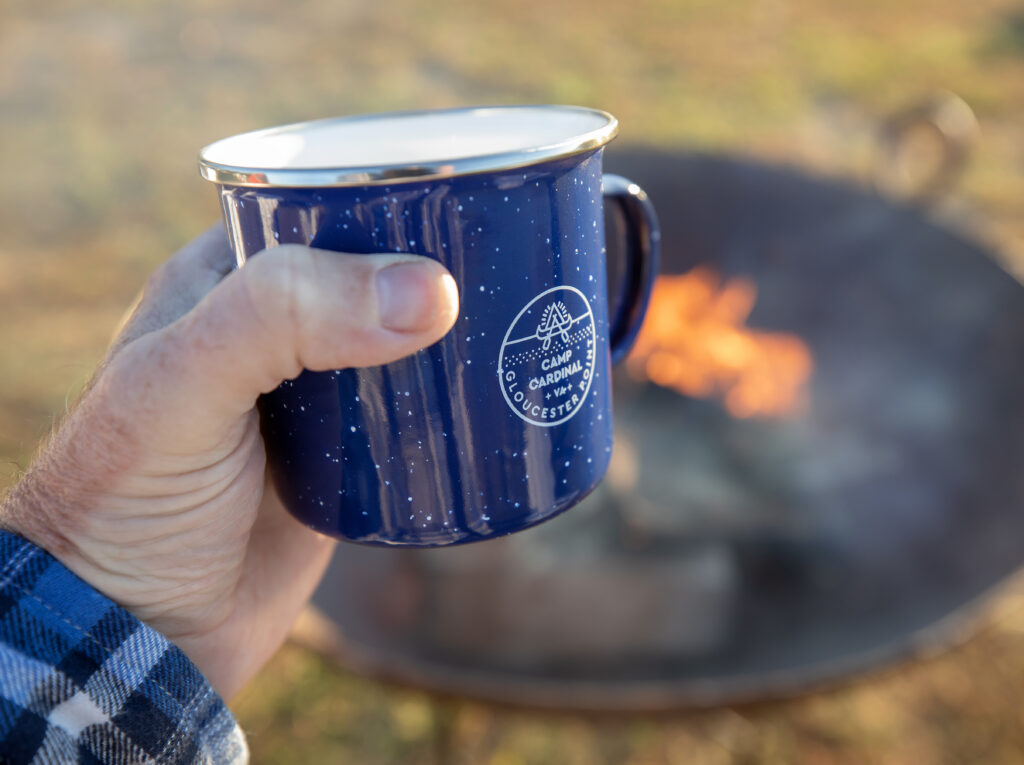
<point>728,559</point>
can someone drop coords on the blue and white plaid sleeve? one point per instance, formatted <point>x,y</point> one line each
<point>82,680</point>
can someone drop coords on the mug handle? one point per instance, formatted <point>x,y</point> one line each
<point>643,250</point>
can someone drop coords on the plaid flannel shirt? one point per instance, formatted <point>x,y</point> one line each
<point>82,680</point>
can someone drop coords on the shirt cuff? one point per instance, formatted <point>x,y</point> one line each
<point>82,680</point>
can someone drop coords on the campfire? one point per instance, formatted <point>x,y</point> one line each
<point>695,341</point>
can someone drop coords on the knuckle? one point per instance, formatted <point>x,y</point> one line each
<point>258,278</point>
<point>274,281</point>
<point>280,293</point>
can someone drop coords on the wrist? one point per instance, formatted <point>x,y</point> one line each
<point>30,511</point>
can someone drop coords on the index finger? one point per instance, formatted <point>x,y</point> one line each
<point>177,286</point>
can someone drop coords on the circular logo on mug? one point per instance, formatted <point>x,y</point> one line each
<point>546,361</point>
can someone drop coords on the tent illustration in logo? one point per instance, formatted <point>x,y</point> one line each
<point>546,360</point>
<point>555,320</point>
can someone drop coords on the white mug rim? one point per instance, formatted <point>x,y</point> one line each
<point>381,174</point>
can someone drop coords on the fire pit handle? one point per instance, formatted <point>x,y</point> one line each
<point>951,123</point>
<point>643,246</point>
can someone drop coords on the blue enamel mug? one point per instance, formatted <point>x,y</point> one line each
<point>506,421</point>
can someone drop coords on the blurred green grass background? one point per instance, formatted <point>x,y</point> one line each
<point>103,107</point>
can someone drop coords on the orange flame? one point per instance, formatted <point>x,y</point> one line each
<point>694,341</point>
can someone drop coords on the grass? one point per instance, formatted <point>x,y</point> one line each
<point>104,105</point>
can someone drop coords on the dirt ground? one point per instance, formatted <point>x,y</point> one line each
<point>104,105</point>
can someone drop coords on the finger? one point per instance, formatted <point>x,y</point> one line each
<point>294,308</point>
<point>178,285</point>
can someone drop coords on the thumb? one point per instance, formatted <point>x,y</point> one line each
<point>291,308</point>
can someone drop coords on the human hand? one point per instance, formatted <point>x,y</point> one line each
<point>153,488</point>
